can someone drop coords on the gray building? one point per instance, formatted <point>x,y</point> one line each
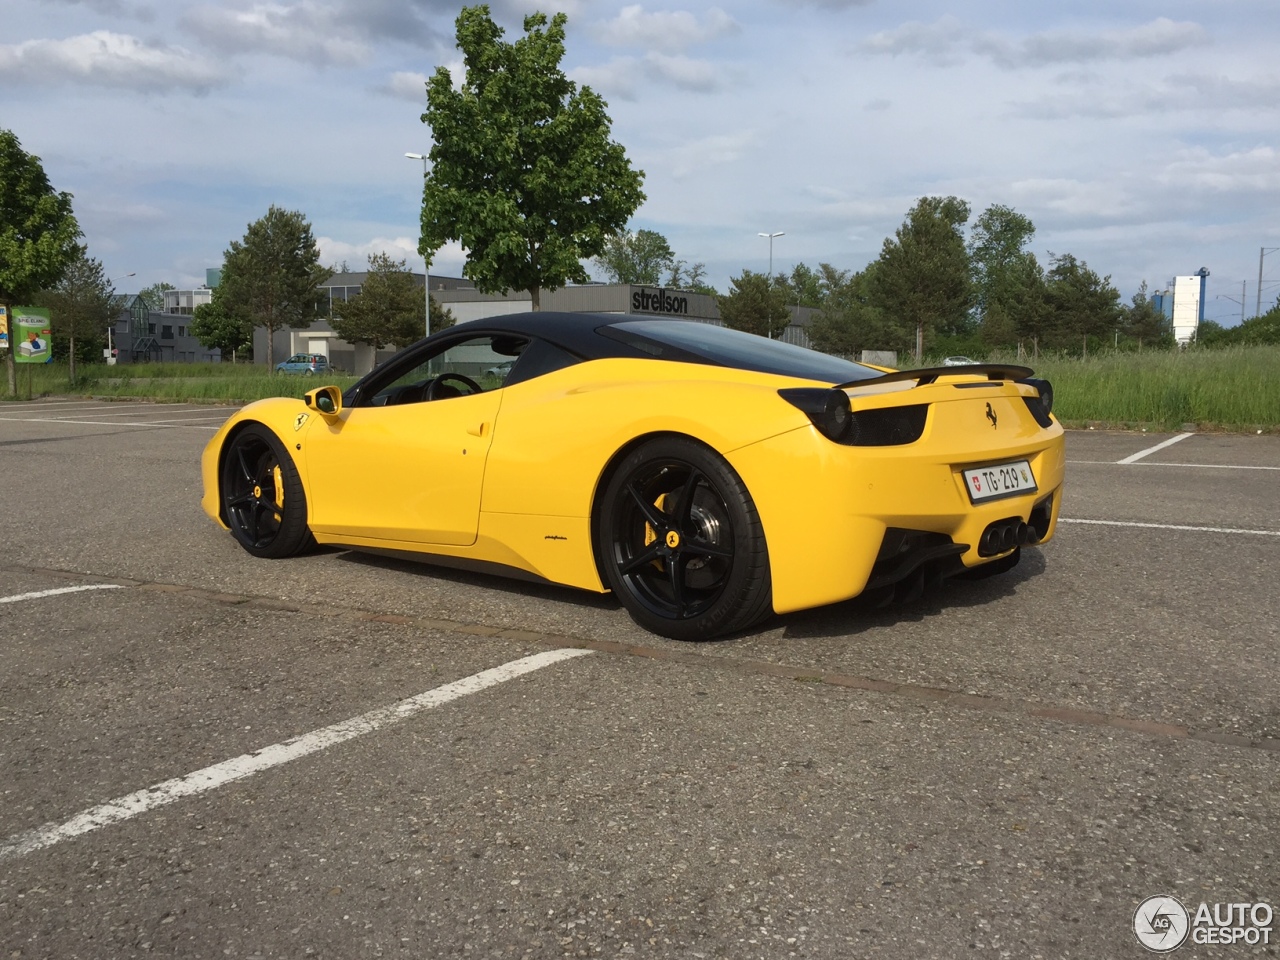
<point>143,335</point>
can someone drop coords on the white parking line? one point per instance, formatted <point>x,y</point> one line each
<point>237,768</point>
<point>39,594</point>
<point>1171,526</point>
<point>109,423</point>
<point>1159,446</point>
<point>1162,463</point>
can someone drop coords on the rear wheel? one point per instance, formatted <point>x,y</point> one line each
<point>682,544</point>
<point>262,495</point>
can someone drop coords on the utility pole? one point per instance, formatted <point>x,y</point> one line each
<point>1262,252</point>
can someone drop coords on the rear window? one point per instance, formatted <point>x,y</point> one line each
<point>705,343</point>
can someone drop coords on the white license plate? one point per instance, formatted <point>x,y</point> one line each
<point>1001,480</point>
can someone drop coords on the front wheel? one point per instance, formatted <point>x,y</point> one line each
<point>262,496</point>
<point>681,542</point>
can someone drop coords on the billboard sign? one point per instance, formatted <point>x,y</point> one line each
<point>4,328</point>
<point>32,335</point>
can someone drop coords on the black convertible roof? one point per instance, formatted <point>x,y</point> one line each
<point>575,332</point>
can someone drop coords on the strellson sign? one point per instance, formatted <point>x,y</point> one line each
<point>658,301</point>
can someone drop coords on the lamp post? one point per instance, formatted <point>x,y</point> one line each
<point>770,237</point>
<point>111,359</point>
<point>426,266</point>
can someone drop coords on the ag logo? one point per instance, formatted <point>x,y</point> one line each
<point>299,420</point>
<point>1161,924</point>
<point>991,415</point>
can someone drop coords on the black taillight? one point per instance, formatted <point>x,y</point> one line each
<point>1042,405</point>
<point>828,409</point>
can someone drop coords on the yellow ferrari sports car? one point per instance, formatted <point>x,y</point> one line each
<point>707,477</point>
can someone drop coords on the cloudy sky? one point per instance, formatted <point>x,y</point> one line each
<point>1142,137</point>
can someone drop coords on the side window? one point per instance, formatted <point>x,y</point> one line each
<point>537,359</point>
<point>456,369</point>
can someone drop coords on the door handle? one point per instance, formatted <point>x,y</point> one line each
<point>480,430</point>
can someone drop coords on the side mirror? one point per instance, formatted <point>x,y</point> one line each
<point>327,401</point>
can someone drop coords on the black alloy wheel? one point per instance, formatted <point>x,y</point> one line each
<point>682,544</point>
<point>262,496</point>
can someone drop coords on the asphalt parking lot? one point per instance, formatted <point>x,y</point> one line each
<point>207,755</point>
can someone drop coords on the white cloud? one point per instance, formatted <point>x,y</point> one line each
<point>306,31</point>
<point>714,151</point>
<point>107,59</point>
<point>448,260</point>
<point>408,86</point>
<point>946,41</point>
<point>665,31</point>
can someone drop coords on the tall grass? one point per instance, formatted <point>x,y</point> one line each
<point>208,382</point>
<point>1232,388</point>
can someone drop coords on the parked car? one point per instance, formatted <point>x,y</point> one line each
<point>501,370</point>
<point>706,476</point>
<point>957,362</point>
<point>306,363</point>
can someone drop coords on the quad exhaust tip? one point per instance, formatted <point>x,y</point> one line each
<point>1005,535</point>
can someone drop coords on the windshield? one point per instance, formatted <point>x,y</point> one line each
<point>689,341</point>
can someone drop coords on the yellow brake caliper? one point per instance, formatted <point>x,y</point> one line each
<point>277,477</point>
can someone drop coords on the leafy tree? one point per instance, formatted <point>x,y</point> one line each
<point>216,326</point>
<point>81,307</point>
<point>154,295</point>
<point>849,321</point>
<point>755,305</point>
<point>922,275</point>
<point>1143,323</point>
<point>1210,333</point>
<point>388,310</point>
<point>271,279</point>
<point>684,276</point>
<point>1080,304</point>
<point>523,173</point>
<point>804,287</point>
<point>38,232</point>
<point>1264,328</point>
<point>635,257</point>
<point>1008,283</point>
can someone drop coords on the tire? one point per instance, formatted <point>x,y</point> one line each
<point>681,543</point>
<point>262,496</point>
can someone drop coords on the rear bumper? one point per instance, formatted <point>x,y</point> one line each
<point>826,508</point>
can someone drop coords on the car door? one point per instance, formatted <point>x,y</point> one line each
<point>406,462</point>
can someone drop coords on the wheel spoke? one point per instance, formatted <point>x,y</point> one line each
<point>245,471</point>
<point>240,501</point>
<point>684,502</point>
<point>657,519</point>
<point>643,558</point>
<point>675,577</point>
<point>705,548</point>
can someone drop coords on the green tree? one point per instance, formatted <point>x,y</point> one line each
<point>388,310</point>
<point>154,295</point>
<point>1264,328</point>
<point>849,322</point>
<point>922,274</point>
<point>686,276</point>
<point>804,287</point>
<point>216,326</point>
<point>81,306</point>
<point>1080,304</point>
<point>755,305</point>
<point>635,257</point>
<point>272,278</point>
<point>523,172</point>
<point>38,232</point>
<point>1008,283</point>
<point>1143,324</point>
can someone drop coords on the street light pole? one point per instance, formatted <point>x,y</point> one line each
<point>770,236</point>
<point>426,266</point>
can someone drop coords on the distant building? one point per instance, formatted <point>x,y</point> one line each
<point>467,303</point>
<point>186,301</point>
<point>142,335</point>
<point>1188,305</point>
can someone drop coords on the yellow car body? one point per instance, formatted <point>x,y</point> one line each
<point>512,477</point>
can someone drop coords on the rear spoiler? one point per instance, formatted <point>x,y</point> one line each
<point>992,371</point>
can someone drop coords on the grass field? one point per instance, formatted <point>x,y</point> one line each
<point>1236,388</point>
